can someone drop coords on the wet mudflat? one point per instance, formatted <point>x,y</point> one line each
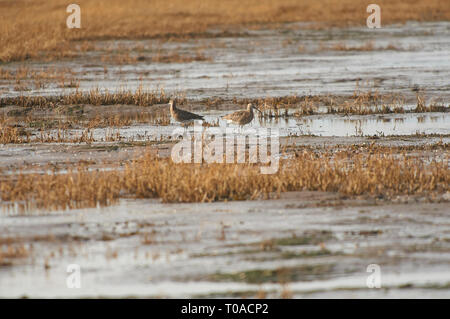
<point>300,244</point>
<point>41,157</point>
<point>303,244</point>
<point>293,59</point>
<point>147,249</point>
<point>317,125</point>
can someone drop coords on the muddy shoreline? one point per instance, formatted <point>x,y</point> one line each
<point>147,249</point>
<point>351,90</point>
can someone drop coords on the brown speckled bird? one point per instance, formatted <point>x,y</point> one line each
<point>182,116</point>
<point>242,117</point>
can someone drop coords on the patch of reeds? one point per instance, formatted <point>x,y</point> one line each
<point>180,58</point>
<point>421,106</point>
<point>374,174</point>
<point>159,57</point>
<point>120,120</point>
<point>25,72</point>
<point>362,102</point>
<point>14,134</point>
<point>366,46</point>
<point>10,133</point>
<point>96,96</point>
<point>11,252</point>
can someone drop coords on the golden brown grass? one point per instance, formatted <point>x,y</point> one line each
<point>158,117</point>
<point>25,77</point>
<point>361,103</point>
<point>374,173</point>
<point>18,135</point>
<point>96,96</point>
<point>10,252</point>
<point>129,58</point>
<point>367,46</point>
<point>77,188</point>
<point>368,102</point>
<point>25,72</point>
<point>29,28</point>
<point>286,292</point>
<point>21,126</point>
<point>12,134</point>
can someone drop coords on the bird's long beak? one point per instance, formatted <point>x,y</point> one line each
<point>257,109</point>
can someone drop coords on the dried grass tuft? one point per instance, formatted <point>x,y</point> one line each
<point>375,174</point>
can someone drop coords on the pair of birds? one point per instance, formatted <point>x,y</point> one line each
<point>240,118</point>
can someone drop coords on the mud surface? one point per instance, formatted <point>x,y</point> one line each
<point>290,60</point>
<point>311,244</point>
<point>305,244</point>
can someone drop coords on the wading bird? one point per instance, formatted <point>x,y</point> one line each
<point>182,116</point>
<point>242,117</point>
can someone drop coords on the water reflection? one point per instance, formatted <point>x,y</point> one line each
<point>342,125</point>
